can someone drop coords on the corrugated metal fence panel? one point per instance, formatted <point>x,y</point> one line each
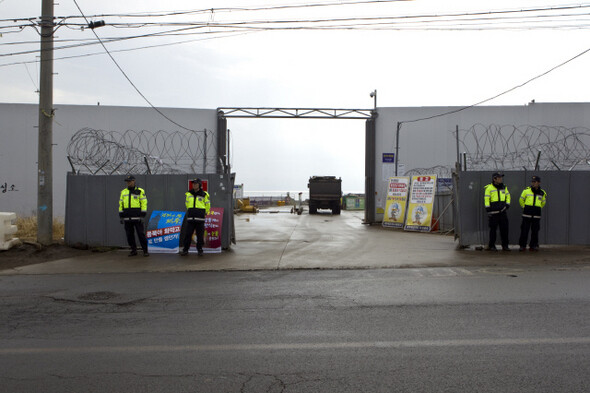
<point>76,202</point>
<point>564,220</point>
<point>445,217</point>
<point>555,217</point>
<point>469,209</point>
<point>579,208</point>
<point>96,202</point>
<point>93,204</point>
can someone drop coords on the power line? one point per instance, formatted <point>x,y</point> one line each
<point>131,49</point>
<point>381,23</point>
<point>503,93</point>
<point>129,79</point>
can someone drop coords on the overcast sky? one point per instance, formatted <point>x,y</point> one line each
<point>301,67</point>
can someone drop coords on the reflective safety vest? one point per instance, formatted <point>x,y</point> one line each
<point>532,202</point>
<point>197,206</point>
<point>496,199</point>
<point>132,202</point>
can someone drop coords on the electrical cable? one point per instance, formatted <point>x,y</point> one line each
<point>130,49</point>
<point>129,79</point>
<point>500,94</point>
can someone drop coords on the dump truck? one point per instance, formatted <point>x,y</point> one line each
<point>325,192</point>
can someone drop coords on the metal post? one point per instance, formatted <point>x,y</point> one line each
<point>464,161</point>
<point>147,164</point>
<point>374,95</point>
<point>205,151</point>
<point>228,152</point>
<point>370,194</point>
<point>72,165</point>
<point>45,141</point>
<point>537,163</point>
<point>457,140</point>
<point>399,126</point>
<point>221,143</point>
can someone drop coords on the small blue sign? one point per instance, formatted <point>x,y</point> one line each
<point>389,157</point>
<point>444,184</point>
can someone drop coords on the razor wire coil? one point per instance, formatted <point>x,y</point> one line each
<point>159,152</point>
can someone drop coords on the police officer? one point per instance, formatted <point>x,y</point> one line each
<point>497,202</point>
<point>532,200</point>
<point>132,209</point>
<point>197,207</point>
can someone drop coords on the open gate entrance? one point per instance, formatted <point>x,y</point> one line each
<point>369,115</point>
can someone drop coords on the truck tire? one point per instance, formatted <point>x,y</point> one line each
<point>312,208</point>
<point>336,209</point>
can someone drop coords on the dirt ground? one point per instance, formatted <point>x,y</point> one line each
<point>29,253</point>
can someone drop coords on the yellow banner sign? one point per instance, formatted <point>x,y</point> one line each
<point>419,217</point>
<point>397,199</point>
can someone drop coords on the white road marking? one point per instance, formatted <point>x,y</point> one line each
<point>303,346</point>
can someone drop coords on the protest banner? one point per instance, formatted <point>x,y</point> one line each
<point>397,199</point>
<point>421,204</point>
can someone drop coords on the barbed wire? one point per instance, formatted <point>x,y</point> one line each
<point>509,147</point>
<point>161,152</point>
<point>439,170</point>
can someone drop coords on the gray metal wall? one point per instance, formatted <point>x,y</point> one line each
<point>430,143</point>
<point>92,204</point>
<point>565,218</point>
<point>18,146</point>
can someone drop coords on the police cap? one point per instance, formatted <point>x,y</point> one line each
<point>130,178</point>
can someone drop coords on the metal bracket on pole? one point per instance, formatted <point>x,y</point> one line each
<point>71,164</point>
<point>102,166</point>
<point>149,171</point>
<point>537,163</point>
<point>115,170</point>
<point>87,167</point>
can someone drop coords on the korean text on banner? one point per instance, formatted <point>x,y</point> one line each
<point>213,225</point>
<point>163,231</point>
<point>397,199</point>
<point>164,227</point>
<point>212,238</point>
<point>422,191</point>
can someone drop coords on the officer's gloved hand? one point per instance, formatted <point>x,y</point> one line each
<point>121,217</point>
<point>143,214</point>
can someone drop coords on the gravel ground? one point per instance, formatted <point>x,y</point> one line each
<point>29,253</point>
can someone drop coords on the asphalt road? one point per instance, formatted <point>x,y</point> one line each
<point>383,330</point>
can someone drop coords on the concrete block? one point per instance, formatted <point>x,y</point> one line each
<point>7,230</point>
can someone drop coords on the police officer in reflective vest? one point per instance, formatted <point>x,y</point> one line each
<point>132,209</point>
<point>532,200</point>
<point>197,207</point>
<point>497,202</point>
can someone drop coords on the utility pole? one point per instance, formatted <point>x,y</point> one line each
<point>399,127</point>
<point>45,141</point>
